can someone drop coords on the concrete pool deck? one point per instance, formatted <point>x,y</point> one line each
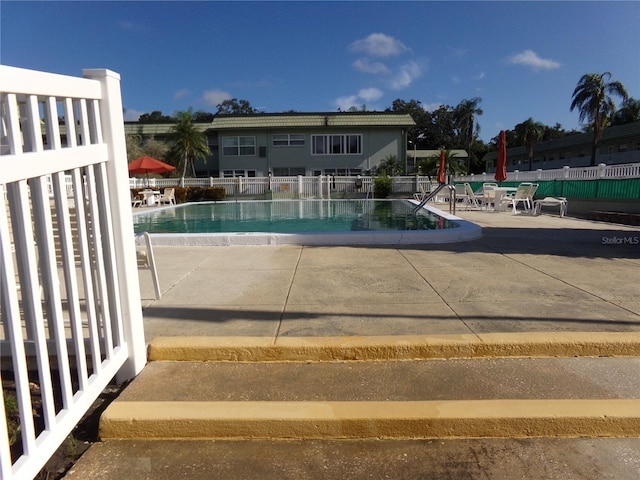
<point>551,304</point>
<point>526,274</point>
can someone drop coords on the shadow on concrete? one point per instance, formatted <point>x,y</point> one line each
<point>221,315</point>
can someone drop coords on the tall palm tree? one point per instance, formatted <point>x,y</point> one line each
<point>189,143</point>
<point>592,98</point>
<point>465,118</point>
<point>530,132</point>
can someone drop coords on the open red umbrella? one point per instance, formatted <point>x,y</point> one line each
<point>441,168</point>
<point>501,165</point>
<point>147,165</point>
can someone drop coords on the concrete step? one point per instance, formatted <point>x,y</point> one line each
<point>458,459</point>
<point>400,399</point>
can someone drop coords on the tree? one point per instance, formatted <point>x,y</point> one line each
<point>628,113</point>
<point>465,119</point>
<point>155,117</point>
<point>235,106</point>
<point>453,166</point>
<point>189,143</point>
<point>530,132</point>
<point>592,98</point>
<point>390,166</point>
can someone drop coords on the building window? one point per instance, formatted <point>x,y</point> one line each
<point>237,146</point>
<point>622,147</point>
<point>288,171</point>
<point>341,172</point>
<point>238,173</point>
<point>288,140</point>
<point>336,144</point>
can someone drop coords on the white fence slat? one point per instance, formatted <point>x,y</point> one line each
<point>70,124</point>
<point>83,236</point>
<point>13,327</point>
<point>30,294</point>
<point>108,247</point>
<point>51,283</point>
<point>67,257</point>
<point>13,124</point>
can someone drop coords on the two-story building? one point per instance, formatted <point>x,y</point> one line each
<point>283,144</point>
<point>619,144</point>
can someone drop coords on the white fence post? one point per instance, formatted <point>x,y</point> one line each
<point>119,195</point>
<point>601,170</point>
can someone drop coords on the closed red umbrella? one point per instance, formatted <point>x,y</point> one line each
<point>501,164</point>
<point>441,168</point>
<point>147,165</point>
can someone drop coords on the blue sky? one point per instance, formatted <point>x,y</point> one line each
<point>522,58</point>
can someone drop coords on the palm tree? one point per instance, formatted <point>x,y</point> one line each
<point>592,98</point>
<point>530,133</point>
<point>464,117</point>
<point>453,165</point>
<point>189,143</point>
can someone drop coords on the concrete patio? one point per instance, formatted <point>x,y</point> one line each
<point>539,321</point>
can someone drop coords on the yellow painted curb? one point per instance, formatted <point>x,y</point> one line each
<point>415,419</point>
<point>535,344</point>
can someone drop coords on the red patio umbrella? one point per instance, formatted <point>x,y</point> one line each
<point>147,165</point>
<point>441,168</point>
<point>501,165</point>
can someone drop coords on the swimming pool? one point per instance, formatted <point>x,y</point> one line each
<point>302,222</point>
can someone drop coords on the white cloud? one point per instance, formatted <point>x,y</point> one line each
<point>346,102</point>
<point>480,76</point>
<point>376,68</point>
<point>529,58</point>
<point>131,115</point>
<point>370,94</point>
<point>213,98</point>
<point>455,79</point>
<point>405,77</point>
<point>379,45</point>
<point>180,94</point>
<point>430,107</point>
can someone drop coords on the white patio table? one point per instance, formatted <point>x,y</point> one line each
<point>494,197</point>
<point>149,196</point>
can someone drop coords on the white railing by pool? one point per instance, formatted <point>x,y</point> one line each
<point>323,186</point>
<point>602,171</point>
<point>70,305</point>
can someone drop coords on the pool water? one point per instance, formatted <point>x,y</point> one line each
<point>287,216</point>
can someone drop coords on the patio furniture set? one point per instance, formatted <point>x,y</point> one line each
<point>493,197</point>
<point>151,198</point>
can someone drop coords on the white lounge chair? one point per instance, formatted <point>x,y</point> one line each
<point>420,196</point>
<point>524,194</point>
<point>551,202</point>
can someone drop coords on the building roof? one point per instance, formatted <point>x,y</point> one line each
<point>284,120</point>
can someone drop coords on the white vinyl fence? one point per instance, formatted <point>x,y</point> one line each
<point>602,171</point>
<point>322,186</point>
<point>70,305</point>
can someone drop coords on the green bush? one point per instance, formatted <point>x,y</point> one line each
<point>205,194</point>
<point>382,186</point>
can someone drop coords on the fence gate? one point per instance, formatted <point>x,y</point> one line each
<point>70,302</point>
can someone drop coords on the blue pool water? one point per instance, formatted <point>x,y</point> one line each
<point>289,217</point>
